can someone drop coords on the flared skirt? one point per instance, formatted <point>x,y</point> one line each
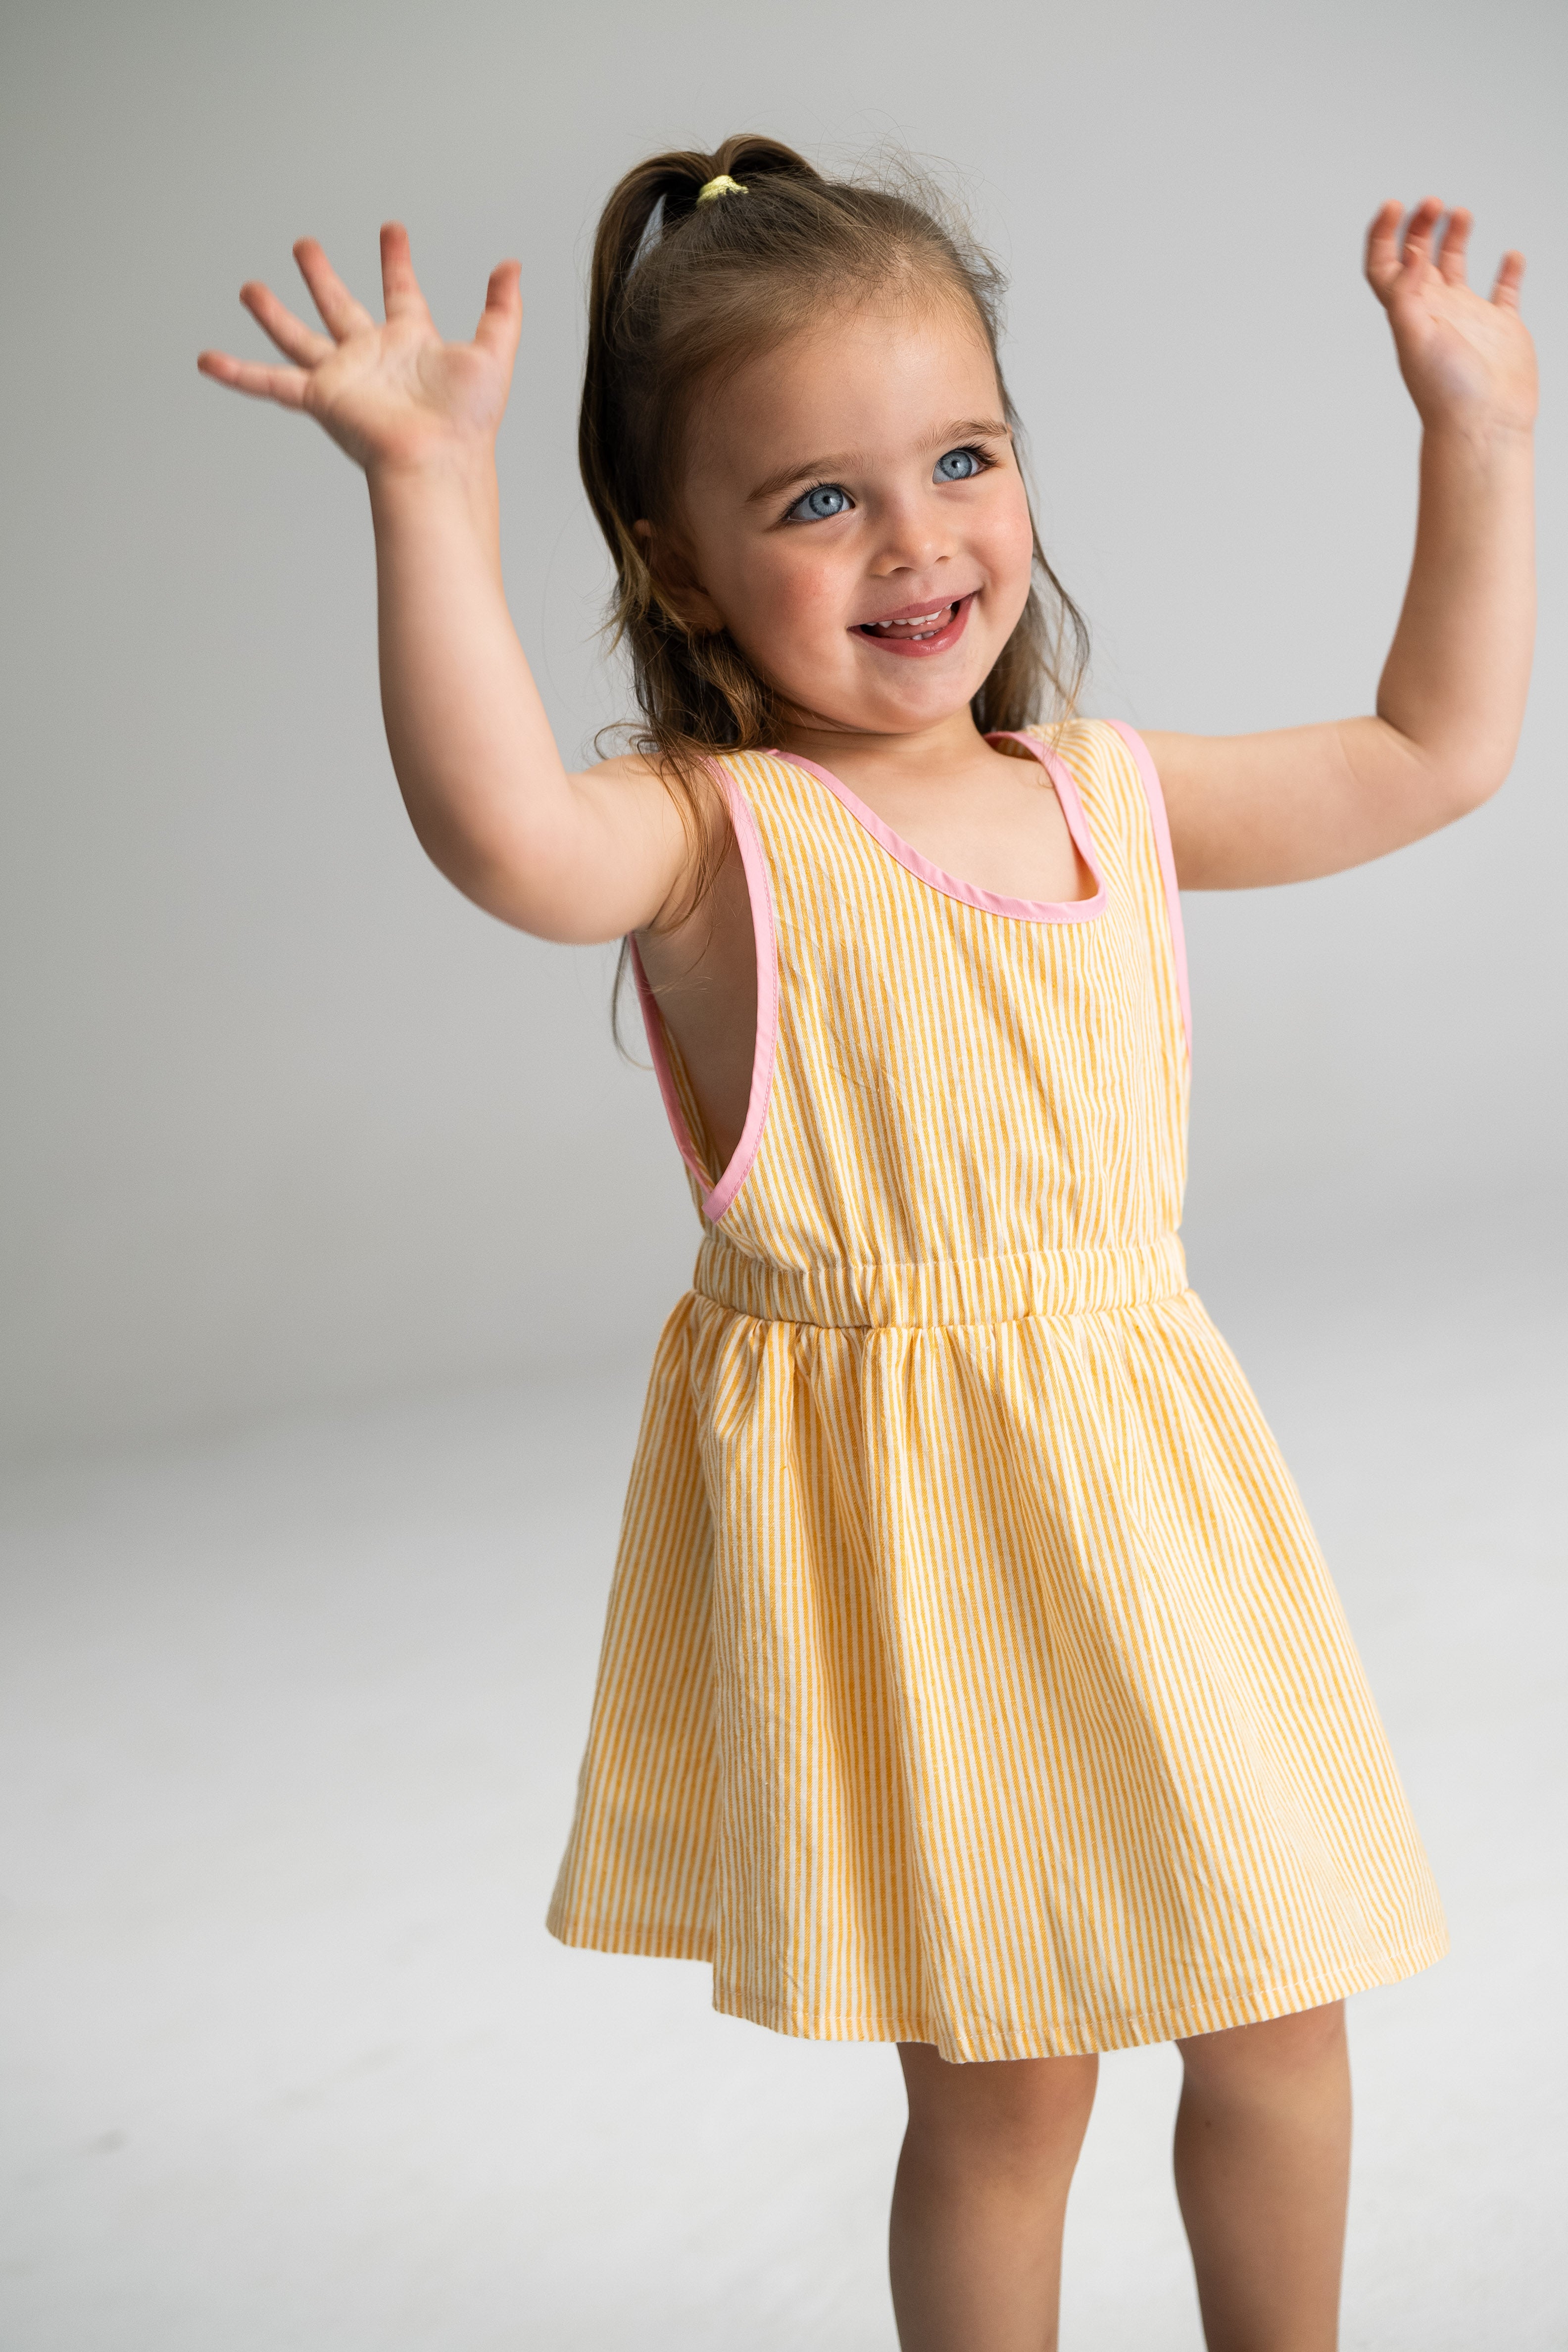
<point>982,1684</point>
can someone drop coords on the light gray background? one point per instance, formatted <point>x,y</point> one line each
<point>285,1118</point>
<point>335,1235</point>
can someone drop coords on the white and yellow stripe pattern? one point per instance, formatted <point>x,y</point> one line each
<point>971,1674</point>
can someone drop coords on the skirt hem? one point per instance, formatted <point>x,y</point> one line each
<point>971,2042</point>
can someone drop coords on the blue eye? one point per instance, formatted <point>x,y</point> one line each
<point>958,466</point>
<point>821,504</point>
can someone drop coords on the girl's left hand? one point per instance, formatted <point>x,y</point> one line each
<point>1466,361</point>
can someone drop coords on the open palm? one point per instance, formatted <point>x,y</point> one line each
<point>389,394</point>
<point>1459,353</point>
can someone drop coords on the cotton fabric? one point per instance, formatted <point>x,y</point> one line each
<point>970,1673</point>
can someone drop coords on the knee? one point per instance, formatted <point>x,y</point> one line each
<point>1021,2117</point>
<point>1307,2044</point>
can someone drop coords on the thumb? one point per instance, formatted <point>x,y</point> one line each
<point>500,321</point>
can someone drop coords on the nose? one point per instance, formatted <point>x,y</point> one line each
<point>914,535</point>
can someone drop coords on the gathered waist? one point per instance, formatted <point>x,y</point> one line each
<point>940,1290</point>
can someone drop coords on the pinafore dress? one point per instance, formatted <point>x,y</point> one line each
<point>970,1673</point>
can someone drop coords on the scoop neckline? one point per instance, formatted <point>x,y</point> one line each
<point>970,894</point>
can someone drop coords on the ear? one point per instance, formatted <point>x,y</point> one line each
<point>676,583</point>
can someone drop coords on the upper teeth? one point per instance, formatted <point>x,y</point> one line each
<point>921,621</point>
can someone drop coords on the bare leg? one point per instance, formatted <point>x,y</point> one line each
<point>975,2245</point>
<point>1263,2147</point>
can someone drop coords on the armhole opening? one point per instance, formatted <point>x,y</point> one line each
<point>659,1053</point>
<point>716,1197</point>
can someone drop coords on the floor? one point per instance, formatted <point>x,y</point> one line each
<point>289,1725</point>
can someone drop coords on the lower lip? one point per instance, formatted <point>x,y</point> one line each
<point>916,648</point>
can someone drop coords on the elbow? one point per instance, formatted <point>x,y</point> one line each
<point>1454,779</point>
<point>1477,779</point>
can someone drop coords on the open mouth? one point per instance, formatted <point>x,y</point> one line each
<point>926,632</point>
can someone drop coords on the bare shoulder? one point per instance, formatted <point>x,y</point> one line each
<point>1224,803</point>
<point>634,789</point>
<point>684,826</point>
<point>624,768</point>
<point>1175,759</point>
<point>632,777</point>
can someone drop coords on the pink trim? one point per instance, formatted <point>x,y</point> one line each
<point>754,866</point>
<point>1161,823</point>
<point>1023,910</point>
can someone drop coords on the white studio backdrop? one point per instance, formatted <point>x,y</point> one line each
<point>285,1121</point>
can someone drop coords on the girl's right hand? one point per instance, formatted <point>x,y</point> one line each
<point>394,396</point>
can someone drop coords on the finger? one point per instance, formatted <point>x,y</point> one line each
<point>291,334</point>
<point>500,321</point>
<point>1455,239</point>
<point>1510,277</point>
<point>331,297</point>
<point>286,386</point>
<point>400,292</point>
<point>1383,245</point>
<point>1418,232</point>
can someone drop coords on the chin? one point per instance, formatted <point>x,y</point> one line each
<point>932,702</point>
<point>898,704</point>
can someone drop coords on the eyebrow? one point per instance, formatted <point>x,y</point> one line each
<point>969,428</point>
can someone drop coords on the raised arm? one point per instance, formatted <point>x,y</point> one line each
<point>569,857</point>
<point>1303,801</point>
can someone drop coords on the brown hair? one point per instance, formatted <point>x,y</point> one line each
<point>683,292</point>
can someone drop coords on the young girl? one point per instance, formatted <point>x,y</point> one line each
<point>972,1680</point>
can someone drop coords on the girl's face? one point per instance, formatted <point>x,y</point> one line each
<point>855,516</point>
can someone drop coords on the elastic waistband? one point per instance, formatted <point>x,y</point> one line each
<point>944,1290</point>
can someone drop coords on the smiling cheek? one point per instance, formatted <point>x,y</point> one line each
<point>1008,554</point>
<point>789,604</point>
<point>791,613</point>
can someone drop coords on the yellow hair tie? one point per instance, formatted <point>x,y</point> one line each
<point>722,187</point>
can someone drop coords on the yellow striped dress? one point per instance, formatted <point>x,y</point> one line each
<point>970,1673</point>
